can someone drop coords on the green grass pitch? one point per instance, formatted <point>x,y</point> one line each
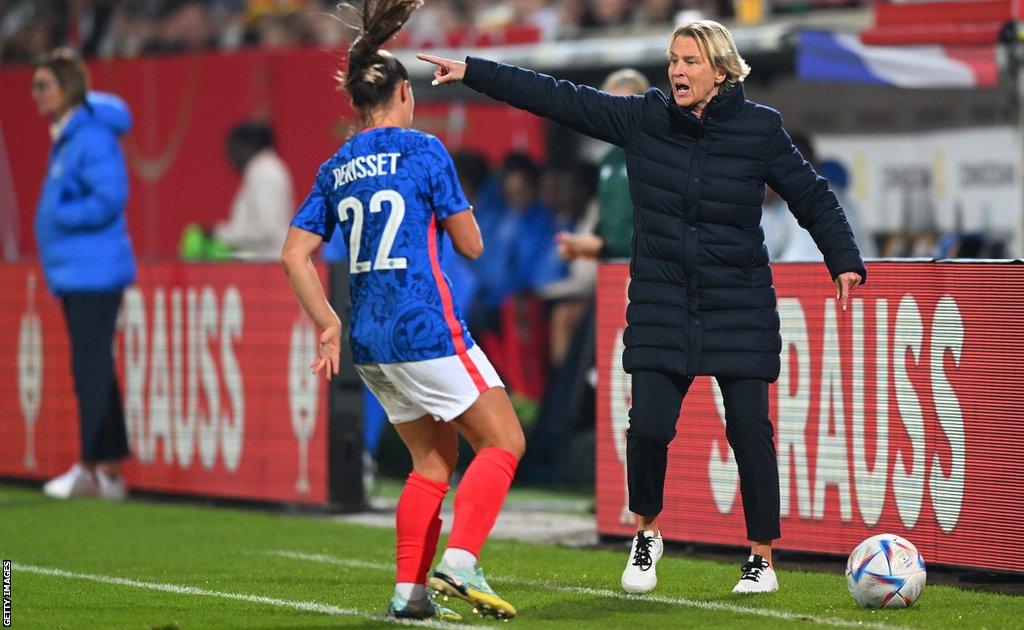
<point>93,564</point>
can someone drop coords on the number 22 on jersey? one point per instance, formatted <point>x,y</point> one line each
<point>383,259</point>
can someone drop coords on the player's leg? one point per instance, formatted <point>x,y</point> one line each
<point>433,449</point>
<point>657,397</point>
<point>750,435</point>
<point>490,425</point>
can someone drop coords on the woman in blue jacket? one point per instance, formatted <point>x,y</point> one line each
<point>87,258</point>
<point>701,300</point>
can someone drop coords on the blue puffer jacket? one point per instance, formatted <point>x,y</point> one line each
<point>80,223</point>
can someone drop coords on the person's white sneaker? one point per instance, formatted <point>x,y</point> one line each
<point>640,575</point>
<point>77,482</point>
<point>756,577</point>
<point>112,488</point>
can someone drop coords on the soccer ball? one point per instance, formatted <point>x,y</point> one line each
<point>885,571</point>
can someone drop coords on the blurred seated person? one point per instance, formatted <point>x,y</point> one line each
<point>261,209</point>
<point>263,205</point>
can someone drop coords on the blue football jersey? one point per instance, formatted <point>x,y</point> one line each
<point>387,189</point>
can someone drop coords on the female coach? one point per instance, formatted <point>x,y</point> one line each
<point>87,258</point>
<point>701,295</point>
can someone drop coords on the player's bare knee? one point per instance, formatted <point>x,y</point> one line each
<point>515,444</point>
<point>434,471</point>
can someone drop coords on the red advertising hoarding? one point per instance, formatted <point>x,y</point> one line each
<point>902,414</point>
<point>214,363</point>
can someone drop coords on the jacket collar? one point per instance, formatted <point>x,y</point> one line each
<point>67,125</point>
<point>724,105</point>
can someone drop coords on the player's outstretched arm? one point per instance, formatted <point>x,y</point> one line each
<point>585,109</point>
<point>305,283</point>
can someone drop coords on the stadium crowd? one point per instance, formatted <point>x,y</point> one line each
<point>131,28</point>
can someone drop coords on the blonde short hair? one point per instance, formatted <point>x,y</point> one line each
<point>717,43</point>
<point>627,79</point>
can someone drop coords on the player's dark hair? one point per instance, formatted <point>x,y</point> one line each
<point>71,73</point>
<point>372,74</point>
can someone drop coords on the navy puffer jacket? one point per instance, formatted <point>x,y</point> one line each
<point>701,294</point>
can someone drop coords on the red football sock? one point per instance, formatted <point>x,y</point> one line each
<point>479,497</point>
<point>417,526</point>
<point>430,545</point>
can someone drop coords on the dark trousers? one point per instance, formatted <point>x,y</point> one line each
<point>91,319</point>
<point>652,425</point>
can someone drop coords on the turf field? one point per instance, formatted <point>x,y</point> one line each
<point>89,563</point>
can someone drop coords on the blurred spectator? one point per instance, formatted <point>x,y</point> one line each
<point>519,247</point>
<point>107,28</point>
<point>612,237</point>
<point>605,13</point>
<point>571,296</point>
<point>87,259</point>
<point>656,11</point>
<point>785,239</point>
<point>263,206</point>
<point>186,26</point>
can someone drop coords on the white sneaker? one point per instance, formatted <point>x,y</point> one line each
<point>639,575</point>
<point>77,482</point>
<point>112,488</point>
<point>756,577</point>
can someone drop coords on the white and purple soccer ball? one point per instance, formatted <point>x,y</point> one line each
<point>885,571</point>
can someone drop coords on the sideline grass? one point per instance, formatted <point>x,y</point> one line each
<point>332,571</point>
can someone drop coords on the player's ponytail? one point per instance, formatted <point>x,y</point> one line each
<point>372,73</point>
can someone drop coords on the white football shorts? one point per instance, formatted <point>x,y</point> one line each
<point>443,388</point>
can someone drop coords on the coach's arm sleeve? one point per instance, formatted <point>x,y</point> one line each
<point>582,108</point>
<point>812,203</point>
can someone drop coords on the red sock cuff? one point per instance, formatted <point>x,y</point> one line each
<point>435,488</point>
<point>504,460</point>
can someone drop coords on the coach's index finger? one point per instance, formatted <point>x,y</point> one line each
<point>438,61</point>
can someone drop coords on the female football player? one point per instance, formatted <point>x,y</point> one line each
<point>392,191</point>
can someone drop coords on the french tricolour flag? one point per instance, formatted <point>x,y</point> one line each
<point>841,57</point>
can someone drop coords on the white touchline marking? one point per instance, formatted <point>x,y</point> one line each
<point>672,601</point>
<point>180,589</point>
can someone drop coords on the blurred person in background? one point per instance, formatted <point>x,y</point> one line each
<point>701,295</point>
<point>262,207</point>
<point>570,297</point>
<point>187,26</point>
<point>87,259</point>
<point>785,239</point>
<point>29,29</point>
<point>133,30</point>
<point>607,14</point>
<point>521,253</point>
<point>612,236</point>
<point>656,12</point>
